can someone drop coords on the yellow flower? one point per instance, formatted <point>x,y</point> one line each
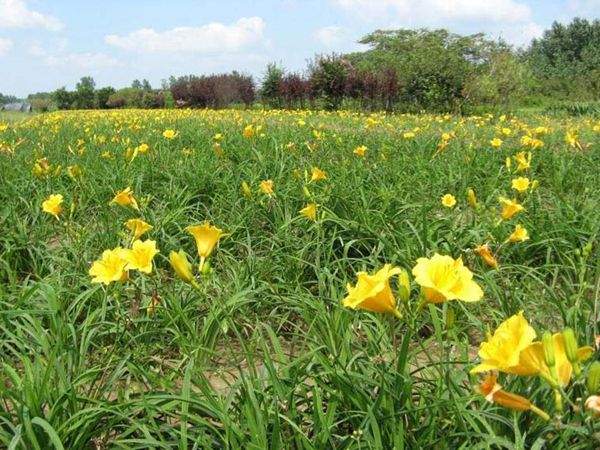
<point>360,151</point>
<point>487,255</point>
<point>140,256</point>
<point>249,131</point>
<point>206,236</point>
<point>494,393</point>
<point>310,211</point>
<point>409,135</point>
<point>373,292</point>
<point>520,184</point>
<point>110,267</point>
<point>502,350</point>
<point>443,278</point>
<point>510,208</point>
<point>508,162</point>
<point>519,235</point>
<point>496,142</point>
<point>182,267</point>
<point>523,160</point>
<point>53,205</point>
<point>449,201</point>
<point>169,134</point>
<point>125,198</point>
<point>471,198</point>
<point>317,174</point>
<point>143,148</point>
<point>533,361</point>
<point>266,186</point>
<point>138,227</point>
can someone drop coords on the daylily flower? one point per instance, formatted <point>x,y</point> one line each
<point>502,350</point>
<point>534,362</point>
<point>449,200</point>
<point>496,142</point>
<point>182,267</point>
<point>125,198</point>
<point>494,393</point>
<point>519,235</point>
<point>520,184</point>
<point>360,150</point>
<point>310,211</point>
<point>206,236</point>
<point>317,174</point>
<point>110,267</point>
<point>373,292</point>
<point>523,160</point>
<point>510,208</point>
<point>487,255</point>
<point>169,134</point>
<point>443,278</point>
<point>249,131</point>
<point>266,186</point>
<point>53,205</point>
<point>140,256</point>
<point>137,227</point>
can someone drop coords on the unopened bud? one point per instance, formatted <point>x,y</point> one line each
<point>571,345</point>
<point>548,347</point>
<point>403,286</point>
<point>593,378</point>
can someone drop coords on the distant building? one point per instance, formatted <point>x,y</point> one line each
<point>18,107</point>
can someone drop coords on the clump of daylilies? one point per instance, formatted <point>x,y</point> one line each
<point>441,278</point>
<point>115,264</point>
<point>555,359</point>
<point>207,237</point>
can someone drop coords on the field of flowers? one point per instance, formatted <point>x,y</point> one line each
<point>270,279</point>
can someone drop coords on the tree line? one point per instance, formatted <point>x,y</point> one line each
<point>399,70</point>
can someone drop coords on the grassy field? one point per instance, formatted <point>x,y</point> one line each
<point>257,351</point>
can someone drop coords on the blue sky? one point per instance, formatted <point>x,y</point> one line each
<point>47,44</point>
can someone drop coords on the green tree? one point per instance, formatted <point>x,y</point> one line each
<point>85,93</point>
<point>63,98</point>
<point>432,65</point>
<point>102,96</point>
<point>270,90</point>
<point>566,59</point>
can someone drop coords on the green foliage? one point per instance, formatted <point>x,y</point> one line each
<point>566,59</point>
<point>270,91</point>
<point>328,75</point>
<point>85,93</point>
<point>264,356</point>
<point>64,99</point>
<point>103,95</point>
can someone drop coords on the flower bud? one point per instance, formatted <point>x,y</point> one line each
<point>593,378</point>
<point>548,347</point>
<point>403,286</point>
<point>571,345</point>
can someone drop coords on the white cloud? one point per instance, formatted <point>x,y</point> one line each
<point>522,35</point>
<point>16,14</point>
<point>331,36</point>
<point>439,11</point>
<point>214,37</point>
<point>5,46</point>
<point>87,61</point>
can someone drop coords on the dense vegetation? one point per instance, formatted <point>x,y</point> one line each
<point>400,70</point>
<point>110,338</point>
